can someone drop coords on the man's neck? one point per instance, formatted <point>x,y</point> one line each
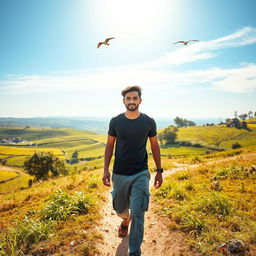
<point>132,114</point>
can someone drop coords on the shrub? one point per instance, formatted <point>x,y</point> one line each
<point>214,203</point>
<point>196,159</point>
<point>192,223</point>
<point>233,172</point>
<point>3,161</point>
<point>164,190</point>
<point>189,187</point>
<point>61,205</point>
<point>178,193</point>
<point>183,176</point>
<point>30,231</point>
<point>21,237</point>
<point>236,145</point>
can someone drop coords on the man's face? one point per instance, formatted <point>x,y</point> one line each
<point>132,101</point>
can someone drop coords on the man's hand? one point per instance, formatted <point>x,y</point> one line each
<point>106,178</point>
<point>158,180</point>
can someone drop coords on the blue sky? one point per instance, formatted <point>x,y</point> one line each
<point>50,64</point>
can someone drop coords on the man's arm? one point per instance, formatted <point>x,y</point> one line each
<point>107,158</point>
<point>157,158</point>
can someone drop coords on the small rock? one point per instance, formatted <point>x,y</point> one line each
<point>154,241</point>
<point>106,230</point>
<point>234,246</point>
<point>112,213</point>
<point>73,243</point>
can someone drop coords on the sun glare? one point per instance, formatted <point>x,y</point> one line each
<point>141,19</point>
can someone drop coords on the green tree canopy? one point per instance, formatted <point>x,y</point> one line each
<point>168,135</point>
<point>42,165</point>
<point>74,157</point>
<point>182,122</point>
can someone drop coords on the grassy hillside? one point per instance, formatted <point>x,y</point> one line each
<point>217,136</point>
<point>61,142</point>
<point>47,217</point>
<point>208,217</point>
<point>212,214</point>
<point>4,175</point>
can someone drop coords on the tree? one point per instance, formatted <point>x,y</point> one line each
<point>236,145</point>
<point>189,123</point>
<point>250,114</point>
<point>3,161</point>
<point>182,122</point>
<point>42,165</point>
<point>74,157</point>
<point>168,135</point>
<point>178,121</point>
<point>243,116</point>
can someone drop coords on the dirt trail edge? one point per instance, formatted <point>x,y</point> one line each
<point>158,240</point>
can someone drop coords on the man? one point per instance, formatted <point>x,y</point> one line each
<point>129,132</point>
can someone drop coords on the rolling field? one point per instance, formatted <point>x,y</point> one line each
<point>4,175</point>
<point>184,151</point>
<point>61,142</point>
<point>182,199</point>
<point>26,151</point>
<point>217,136</point>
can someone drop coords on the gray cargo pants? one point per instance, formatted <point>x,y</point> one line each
<point>132,192</point>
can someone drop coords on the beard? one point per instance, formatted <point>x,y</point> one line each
<point>132,107</point>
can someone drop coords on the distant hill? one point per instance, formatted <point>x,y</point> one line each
<point>91,124</point>
<point>96,124</point>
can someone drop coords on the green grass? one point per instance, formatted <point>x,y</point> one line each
<point>210,136</point>
<point>59,211</point>
<point>61,205</point>
<point>245,140</point>
<point>183,151</point>
<point>26,151</point>
<point>208,217</point>
<point>4,175</point>
<point>93,150</point>
<point>40,134</point>
<point>15,184</point>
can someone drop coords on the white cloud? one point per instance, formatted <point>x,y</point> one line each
<point>203,50</point>
<point>150,74</point>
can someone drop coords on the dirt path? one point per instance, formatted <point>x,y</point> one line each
<point>158,240</point>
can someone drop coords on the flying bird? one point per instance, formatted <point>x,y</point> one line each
<point>105,42</point>
<point>186,42</point>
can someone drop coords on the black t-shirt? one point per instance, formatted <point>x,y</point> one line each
<point>131,138</point>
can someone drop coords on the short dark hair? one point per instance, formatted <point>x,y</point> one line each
<point>134,88</point>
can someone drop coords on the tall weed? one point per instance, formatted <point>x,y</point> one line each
<point>61,205</point>
<point>214,203</point>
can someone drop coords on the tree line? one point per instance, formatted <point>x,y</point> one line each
<point>169,134</point>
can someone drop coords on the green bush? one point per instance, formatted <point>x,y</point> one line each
<point>233,172</point>
<point>178,193</point>
<point>21,237</point>
<point>183,176</point>
<point>164,190</point>
<point>61,205</point>
<point>214,203</point>
<point>192,223</point>
<point>236,145</point>
<point>196,159</point>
